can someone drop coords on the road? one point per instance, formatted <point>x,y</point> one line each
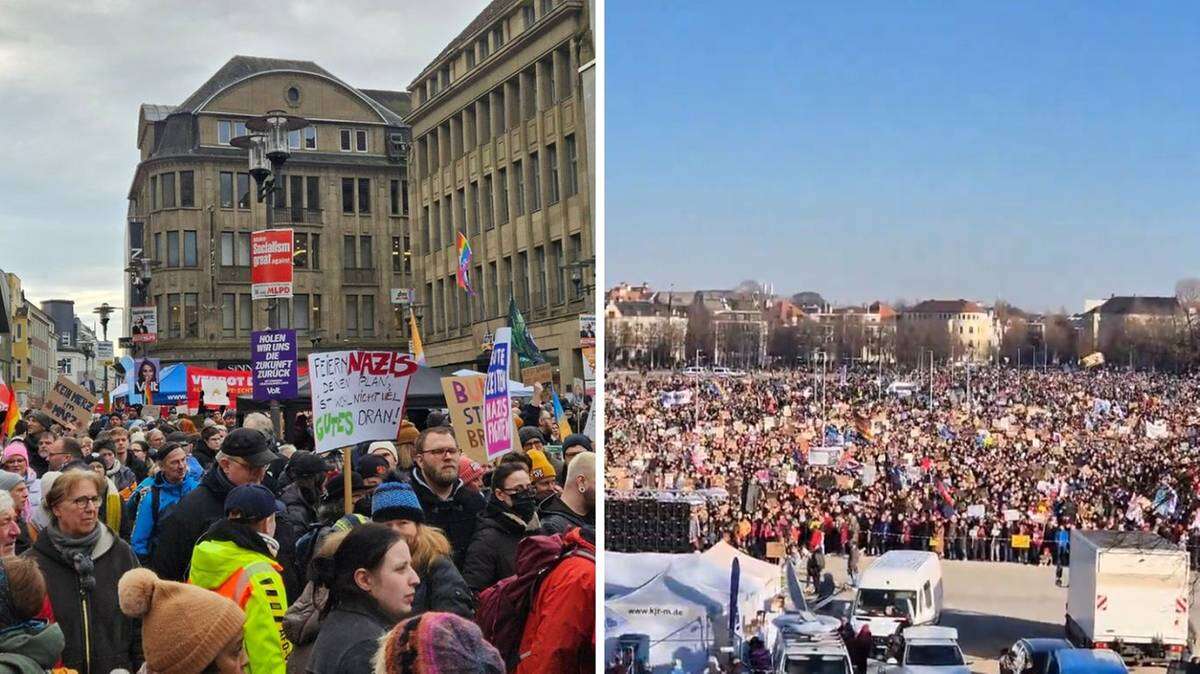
<point>992,605</point>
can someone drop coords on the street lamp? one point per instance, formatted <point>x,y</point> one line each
<point>577,269</point>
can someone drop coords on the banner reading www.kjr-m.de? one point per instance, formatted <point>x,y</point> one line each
<point>357,396</point>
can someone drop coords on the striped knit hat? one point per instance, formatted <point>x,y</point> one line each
<point>437,643</point>
<point>396,501</point>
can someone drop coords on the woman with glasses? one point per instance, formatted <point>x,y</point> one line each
<point>510,515</point>
<point>82,561</point>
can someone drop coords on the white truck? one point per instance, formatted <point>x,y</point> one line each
<point>1129,593</point>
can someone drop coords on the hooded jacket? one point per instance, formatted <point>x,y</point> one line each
<point>492,554</point>
<point>178,533</point>
<point>99,638</point>
<point>557,518</point>
<point>560,631</point>
<point>31,649</point>
<point>235,562</point>
<point>457,516</point>
<point>148,522</point>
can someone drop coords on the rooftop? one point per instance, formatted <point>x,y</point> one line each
<point>959,306</point>
<point>1135,305</point>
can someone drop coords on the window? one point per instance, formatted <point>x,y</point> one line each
<point>435,226</point>
<point>345,137</point>
<point>547,67</point>
<point>519,188</point>
<point>547,5</point>
<point>174,315</point>
<point>160,310</point>
<point>535,184</point>
<point>539,273</point>
<point>485,120</point>
<point>153,192</point>
<point>404,196</point>
<point>366,257</point>
<point>527,93</point>
<point>501,111</point>
<point>226,249</point>
<point>189,249</point>
<point>239,129</point>
<point>572,166</point>
<point>347,195</point>
<point>397,254</point>
<point>228,315</point>
<point>351,315</point>
<point>300,250</point>
<point>187,193</point>
<point>367,315</point>
<point>314,256</point>
<point>447,223</point>
<point>294,139</point>
<point>364,195</point>
<point>360,140</point>
<point>565,76</point>
<point>523,278</point>
<point>172,249</point>
<point>312,192</point>
<point>552,164</point>
<point>483,48</point>
<point>470,54</point>
<point>243,249</point>
<point>560,272</point>
<point>394,197</point>
<point>224,131</point>
<point>349,253</point>
<point>315,316</point>
<point>279,314</point>
<point>497,37</point>
<point>226,182</point>
<point>310,138</point>
<point>576,252</point>
<point>245,317</point>
<point>191,314</point>
<point>502,196</point>
<point>425,230</point>
<point>486,203</point>
<point>297,192</point>
<point>493,285</point>
<point>461,222</point>
<point>527,15</point>
<point>158,247</point>
<point>474,207</point>
<point>300,312</point>
<point>243,190</point>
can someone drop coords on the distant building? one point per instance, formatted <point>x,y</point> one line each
<point>728,328</point>
<point>1120,321</point>
<point>955,329</point>
<point>645,333</point>
<point>626,293</point>
<point>860,333</point>
<point>7,317</point>
<point>35,353</point>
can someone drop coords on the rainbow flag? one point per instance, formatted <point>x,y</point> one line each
<point>564,428</point>
<point>417,348</point>
<point>8,422</point>
<point>464,264</point>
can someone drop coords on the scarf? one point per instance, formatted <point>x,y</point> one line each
<point>78,551</point>
<point>112,472</point>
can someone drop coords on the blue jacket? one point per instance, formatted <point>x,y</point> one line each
<point>168,495</point>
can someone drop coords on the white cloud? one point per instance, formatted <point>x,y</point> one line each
<point>72,75</point>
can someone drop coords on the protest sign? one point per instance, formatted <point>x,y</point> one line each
<point>537,374</point>
<point>151,411</point>
<point>824,456</point>
<point>587,330</point>
<point>200,382</point>
<point>1157,430</point>
<point>358,396</point>
<point>1092,360</point>
<point>868,475</point>
<point>977,510</point>
<point>1020,541</point>
<point>1012,515</point>
<point>775,550</point>
<point>69,403</point>
<point>104,353</point>
<point>143,380</point>
<point>143,324</point>
<point>274,354</point>
<point>589,427</point>
<point>464,397</point>
<point>271,263</point>
<point>497,409</point>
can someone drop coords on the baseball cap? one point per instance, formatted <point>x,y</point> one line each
<point>248,445</point>
<point>372,466</point>
<point>252,502</point>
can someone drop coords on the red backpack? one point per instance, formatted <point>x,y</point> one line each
<point>504,607</point>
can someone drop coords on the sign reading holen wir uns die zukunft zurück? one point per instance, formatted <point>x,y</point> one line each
<point>358,396</point>
<point>274,358</point>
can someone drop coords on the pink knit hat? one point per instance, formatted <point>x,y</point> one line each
<point>15,449</point>
<point>437,643</point>
<point>469,470</point>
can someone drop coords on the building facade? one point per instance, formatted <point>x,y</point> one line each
<point>645,333</point>
<point>35,353</point>
<point>1121,325</point>
<point>500,155</point>
<point>954,329</point>
<point>344,192</point>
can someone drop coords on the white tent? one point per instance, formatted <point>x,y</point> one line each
<point>625,572</point>
<point>767,573</point>
<point>515,388</point>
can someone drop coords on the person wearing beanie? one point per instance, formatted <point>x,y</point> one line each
<point>471,473</point>
<point>155,497</point>
<point>373,469</point>
<point>12,485</point>
<point>531,438</point>
<point>16,460</point>
<point>236,559</point>
<point>542,474</point>
<point>442,587</point>
<point>437,643</point>
<point>572,446</point>
<point>406,441</point>
<point>387,450</point>
<point>185,629</point>
<point>334,504</point>
<point>27,645</point>
<point>576,505</point>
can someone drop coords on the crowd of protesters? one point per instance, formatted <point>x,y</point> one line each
<point>210,543</point>
<point>991,463</point>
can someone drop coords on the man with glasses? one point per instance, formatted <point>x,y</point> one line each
<point>447,504</point>
<point>63,451</point>
<point>243,459</point>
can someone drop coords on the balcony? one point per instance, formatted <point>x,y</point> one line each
<point>298,216</point>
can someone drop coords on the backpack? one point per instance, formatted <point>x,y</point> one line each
<point>504,607</point>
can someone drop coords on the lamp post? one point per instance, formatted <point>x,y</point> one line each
<point>105,312</point>
<point>267,150</point>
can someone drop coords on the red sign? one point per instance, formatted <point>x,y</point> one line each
<point>271,263</point>
<point>239,382</point>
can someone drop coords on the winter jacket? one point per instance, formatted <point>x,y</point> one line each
<point>557,518</point>
<point>302,513</point>
<point>302,624</point>
<point>32,648</point>
<point>492,554</point>
<point>122,476</point>
<point>458,516</point>
<point>560,632</point>
<point>99,637</point>
<point>235,562</point>
<point>148,521</point>
<point>348,640</point>
<point>443,589</point>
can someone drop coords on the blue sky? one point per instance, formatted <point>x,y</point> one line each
<point>1039,152</point>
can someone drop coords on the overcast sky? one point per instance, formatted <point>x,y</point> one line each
<point>73,73</point>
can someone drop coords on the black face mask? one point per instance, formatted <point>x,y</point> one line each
<point>524,505</point>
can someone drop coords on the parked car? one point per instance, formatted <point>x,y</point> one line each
<point>929,649</point>
<point>1031,656</point>
<point>722,372</point>
<point>1085,661</point>
<point>695,371</point>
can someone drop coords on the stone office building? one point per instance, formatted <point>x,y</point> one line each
<point>192,208</point>
<point>498,129</point>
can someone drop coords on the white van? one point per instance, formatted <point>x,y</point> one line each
<point>902,588</point>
